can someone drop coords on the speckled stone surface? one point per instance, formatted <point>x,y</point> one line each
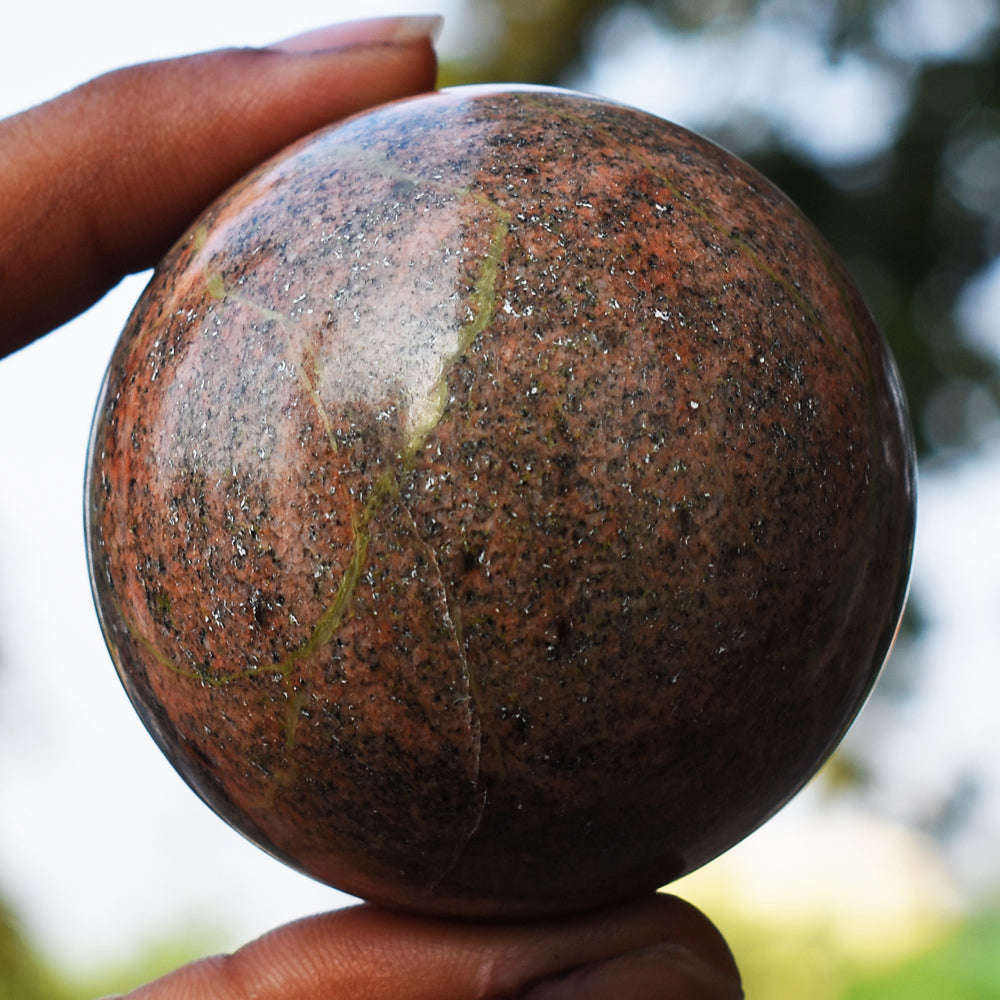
<point>500,503</point>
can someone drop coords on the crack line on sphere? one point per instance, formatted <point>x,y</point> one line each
<point>472,700</point>
<point>452,618</point>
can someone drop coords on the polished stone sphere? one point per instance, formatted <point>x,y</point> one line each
<point>499,503</point>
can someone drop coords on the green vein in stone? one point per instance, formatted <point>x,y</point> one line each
<point>329,622</point>
<point>483,304</point>
<point>216,287</point>
<point>332,618</point>
<point>483,301</point>
<point>164,661</point>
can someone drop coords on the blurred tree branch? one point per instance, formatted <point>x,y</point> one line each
<point>537,42</point>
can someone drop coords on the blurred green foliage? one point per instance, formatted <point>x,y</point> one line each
<point>965,966</point>
<point>915,222</point>
<point>24,975</point>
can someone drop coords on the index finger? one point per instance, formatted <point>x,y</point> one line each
<point>100,181</point>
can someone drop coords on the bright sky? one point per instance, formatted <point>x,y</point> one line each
<point>101,845</point>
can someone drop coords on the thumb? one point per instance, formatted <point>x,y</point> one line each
<point>665,971</point>
<point>658,947</point>
<point>100,181</point>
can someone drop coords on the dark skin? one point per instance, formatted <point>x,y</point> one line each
<point>97,184</point>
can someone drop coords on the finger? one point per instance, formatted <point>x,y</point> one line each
<point>99,182</point>
<point>658,943</point>
<point>659,972</point>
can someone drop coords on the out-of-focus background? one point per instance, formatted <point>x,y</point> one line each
<point>882,880</point>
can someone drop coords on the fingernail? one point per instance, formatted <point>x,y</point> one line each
<point>664,969</point>
<point>370,31</point>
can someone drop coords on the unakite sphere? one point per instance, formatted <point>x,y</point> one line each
<point>499,503</point>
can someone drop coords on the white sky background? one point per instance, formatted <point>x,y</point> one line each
<point>101,845</point>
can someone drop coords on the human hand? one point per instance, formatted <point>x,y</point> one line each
<point>100,182</point>
<point>659,948</point>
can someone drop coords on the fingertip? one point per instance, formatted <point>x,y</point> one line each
<point>100,181</point>
<point>651,973</point>
<point>395,29</point>
<point>663,947</point>
<point>681,920</point>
